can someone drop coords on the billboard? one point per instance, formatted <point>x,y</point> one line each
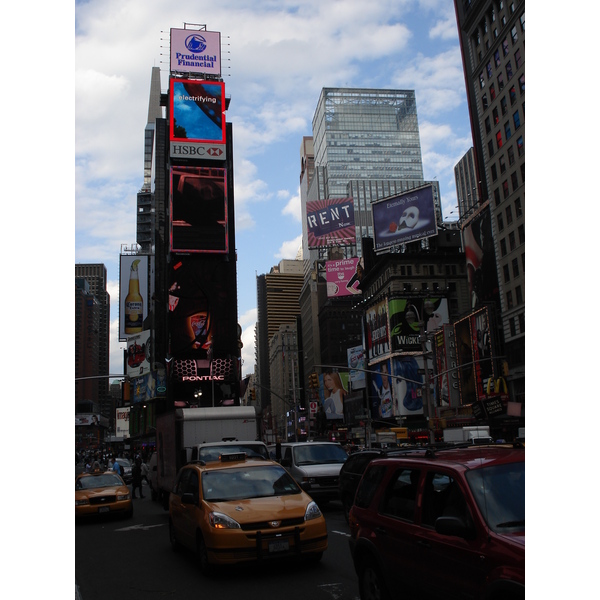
<point>344,276</point>
<point>333,389</point>
<point>198,210</point>
<point>196,51</point>
<point>330,222</point>
<point>133,294</point>
<point>446,382</point>
<point>409,384</point>
<point>404,334</point>
<point>122,422</point>
<point>138,354</point>
<point>197,125</point>
<point>356,360</point>
<point>404,218</point>
<point>377,330</point>
<point>474,354</point>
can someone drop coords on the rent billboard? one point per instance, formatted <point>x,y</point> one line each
<point>330,222</point>
<point>197,124</point>
<point>404,218</point>
<point>195,51</point>
<point>198,210</point>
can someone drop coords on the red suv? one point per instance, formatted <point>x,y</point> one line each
<point>443,523</point>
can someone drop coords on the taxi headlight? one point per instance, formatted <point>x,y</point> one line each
<point>82,502</point>
<point>122,497</point>
<point>312,512</point>
<point>221,521</point>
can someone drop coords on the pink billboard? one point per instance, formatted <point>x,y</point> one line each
<point>343,277</point>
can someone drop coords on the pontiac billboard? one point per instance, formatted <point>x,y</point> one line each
<point>404,218</point>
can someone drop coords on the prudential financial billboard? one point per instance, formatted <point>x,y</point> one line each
<point>404,218</point>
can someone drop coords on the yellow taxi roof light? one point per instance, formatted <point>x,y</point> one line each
<point>233,457</point>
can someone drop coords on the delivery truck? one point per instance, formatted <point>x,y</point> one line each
<point>477,434</point>
<point>179,433</point>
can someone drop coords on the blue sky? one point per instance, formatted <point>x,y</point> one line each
<point>277,56</point>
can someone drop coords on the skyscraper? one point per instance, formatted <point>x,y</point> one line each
<point>492,39</point>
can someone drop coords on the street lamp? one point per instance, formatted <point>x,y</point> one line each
<point>413,318</point>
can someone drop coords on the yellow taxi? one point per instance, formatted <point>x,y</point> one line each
<point>239,510</point>
<point>102,492</point>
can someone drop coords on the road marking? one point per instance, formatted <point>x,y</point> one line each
<point>143,527</point>
<point>341,533</point>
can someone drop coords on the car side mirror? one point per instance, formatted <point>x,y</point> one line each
<point>454,526</point>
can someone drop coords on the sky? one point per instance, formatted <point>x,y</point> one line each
<point>277,56</point>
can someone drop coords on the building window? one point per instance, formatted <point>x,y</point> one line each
<point>518,209</point>
<point>519,294</point>
<point>511,240</point>
<point>505,47</point>
<point>497,58</point>
<point>492,92</point>
<point>507,130</point>
<point>495,116</point>
<point>511,156</point>
<point>509,299</point>
<point>513,35</point>
<point>513,95</point>
<point>503,246</point>
<point>503,105</point>
<point>522,19</point>
<point>481,80</point>
<point>488,125</point>
<point>484,101</point>
<point>518,58</point>
<point>515,267</point>
<point>505,191</point>
<point>522,84</point>
<point>499,140</point>
<point>521,230</point>
<point>494,173</point>
<point>509,72</point>
<point>517,120</point>
<point>506,274</point>
<point>509,218</point>
<point>502,164</point>
<point>497,196</point>
<point>521,318</point>
<point>514,180</point>
<point>500,82</point>
<point>520,146</point>
<point>489,70</point>
<point>500,222</point>
<point>523,173</point>
<point>513,330</point>
<point>491,148</point>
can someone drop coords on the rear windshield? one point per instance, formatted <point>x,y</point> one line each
<point>257,482</point>
<point>318,454</point>
<point>212,453</point>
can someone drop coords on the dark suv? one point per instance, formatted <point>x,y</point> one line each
<point>446,523</point>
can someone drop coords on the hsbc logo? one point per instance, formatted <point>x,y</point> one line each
<point>211,152</point>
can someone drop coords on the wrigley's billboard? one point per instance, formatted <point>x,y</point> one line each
<point>195,51</point>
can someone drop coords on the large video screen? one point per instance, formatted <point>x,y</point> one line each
<point>197,110</point>
<point>198,214</point>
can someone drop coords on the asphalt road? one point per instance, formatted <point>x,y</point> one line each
<point>133,560</point>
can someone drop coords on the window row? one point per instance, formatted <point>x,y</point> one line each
<point>508,214</point>
<point>515,269</point>
<point>510,303</point>
<point>511,241</point>
<point>490,23</point>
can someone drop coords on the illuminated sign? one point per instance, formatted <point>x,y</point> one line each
<point>195,51</point>
<point>197,119</point>
<point>198,215</point>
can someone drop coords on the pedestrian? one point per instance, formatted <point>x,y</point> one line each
<point>117,467</point>
<point>145,471</point>
<point>136,477</point>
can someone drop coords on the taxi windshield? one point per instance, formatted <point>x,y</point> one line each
<point>97,481</point>
<point>318,454</point>
<point>243,483</point>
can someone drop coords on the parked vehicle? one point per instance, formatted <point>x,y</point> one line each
<point>126,469</point>
<point>442,523</point>
<point>180,431</point>
<point>477,434</point>
<point>315,466</point>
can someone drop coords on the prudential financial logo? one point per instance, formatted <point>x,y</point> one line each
<point>195,43</point>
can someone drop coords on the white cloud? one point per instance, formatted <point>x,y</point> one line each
<point>294,207</point>
<point>289,249</point>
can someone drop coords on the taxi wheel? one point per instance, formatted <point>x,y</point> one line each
<point>173,537</point>
<point>202,555</point>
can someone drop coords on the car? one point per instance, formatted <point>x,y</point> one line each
<point>126,469</point>
<point>209,451</point>
<point>240,510</point>
<point>315,466</point>
<point>441,523</point>
<point>102,492</point>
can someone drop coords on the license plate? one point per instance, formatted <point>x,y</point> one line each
<point>279,546</point>
<point>103,509</point>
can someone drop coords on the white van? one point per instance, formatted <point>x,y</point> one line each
<point>315,466</point>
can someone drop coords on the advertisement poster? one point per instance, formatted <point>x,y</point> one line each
<point>382,395</point>
<point>408,385</point>
<point>482,351</point>
<point>333,389</point>
<point>133,294</point>
<point>464,353</point>
<point>138,354</point>
<point>122,422</point>
<point>198,210</point>
<point>404,218</point>
<point>447,387</point>
<point>330,222</point>
<point>405,335</point>
<point>377,330</point>
<point>344,276</point>
<point>357,360</point>
<point>195,51</point>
